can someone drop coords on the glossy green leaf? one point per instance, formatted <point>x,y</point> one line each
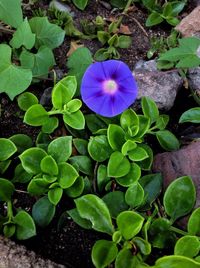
<point>21,141</point>
<point>55,195</point>
<point>92,208</point>
<point>61,148</point>
<point>11,12</point>
<point>48,165</point>
<point>152,185</point>
<point>76,189</point>
<point>138,154</point>
<point>20,175</point>
<point>179,198</point>
<point>167,140</point>
<point>36,115</point>
<point>50,125</point>
<point>73,213</point>
<point>192,115</point>
<point>134,195</point>
<point>74,105</point>
<point>104,253</point>
<point>47,33</point>
<point>115,202</point>
<point>82,163</point>
<point>129,145</point>
<point>150,109</point>
<point>118,165</point>
<point>153,19</point>
<point>26,100</point>
<point>99,148</point>
<point>25,226</point>
<point>125,259</point>
<point>187,246</point>
<point>81,145</point>
<point>143,245</point>
<point>144,125</point>
<point>162,121</point>
<point>146,163</point>
<point>4,165</point>
<point>31,159</point>
<point>13,79</point>
<point>81,4</point>
<point>38,186</point>
<point>124,41</point>
<point>102,178</point>
<point>6,190</point>
<point>63,91</point>
<point>9,230</point>
<point>176,262</point>
<point>23,36</point>
<point>115,137</point>
<point>129,224</point>
<point>75,120</point>
<point>130,121</point>
<point>131,177</point>
<point>8,148</point>
<point>193,225</point>
<point>43,212</point>
<point>67,175</point>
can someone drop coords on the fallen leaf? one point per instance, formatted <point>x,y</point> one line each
<point>73,46</point>
<point>124,29</point>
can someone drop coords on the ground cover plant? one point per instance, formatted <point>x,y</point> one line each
<point>83,157</point>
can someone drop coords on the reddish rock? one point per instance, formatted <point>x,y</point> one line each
<point>190,25</point>
<point>184,162</point>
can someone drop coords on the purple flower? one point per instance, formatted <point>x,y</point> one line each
<point>108,88</point>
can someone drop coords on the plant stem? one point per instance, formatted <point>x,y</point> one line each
<point>6,30</point>
<point>9,211</point>
<point>55,112</point>
<point>124,12</point>
<point>178,231</point>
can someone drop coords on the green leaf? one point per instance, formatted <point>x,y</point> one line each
<point>40,63</point>
<point>25,226</point>
<point>176,262</point>
<point>92,208</point>
<point>38,186</point>
<point>76,189</point>
<point>138,154</point>
<point>48,165</point>
<point>146,163</point>
<point>20,175</point>
<point>82,163</point>
<point>11,12</point>
<point>4,165</point>
<point>94,123</point>
<point>131,177</point>
<point>75,120</point>
<point>126,259</point>
<point>55,195</point>
<point>6,190</point>
<point>129,145</point>
<point>63,92</point>
<point>67,175</point>
<point>179,197</point>
<point>129,224</point>
<point>104,253</point>
<point>143,245</point>
<point>26,100</point>
<point>134,195</point>
<point>153,19</point>
<point>21,141</point>
<point>193,225</point>
<point>162,121</point>
<point>61,148</point>
<point>192,115</point>
<point>23,36</point>
<point>77,67</point>
<point>144,124</point>
<point>36,115</point>
<point>74,105</point>
<point>81,4</point>
<point>43,212</point>
<point>103,37</point>
<point>81,145</point>
<point>73,213</point>
<point>47,33</point>
<point>50,125</point>
<point>102,178</point>
<point>13,79</point>
<point>8,148</point>
<point>9,229</point>
<point>130,122</point>
<point>152,185</point>
<point>31,159</point>
<point>167,140</point>
<point>99,148</point>
<point>124,41</point>
<point>187,246</point>
<point>115,202</point>
<point>118,165</point>
<point>150,109</point>
<point>115,137</point>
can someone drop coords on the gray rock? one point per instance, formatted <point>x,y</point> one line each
<point>60,6</point>
<point>194,80</point>
<point>16,256</point>
<point>162,87</point>
<point>45,99</point>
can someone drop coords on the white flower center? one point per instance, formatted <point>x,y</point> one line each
<point>110,86</point>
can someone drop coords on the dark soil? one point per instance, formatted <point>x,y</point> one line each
<point>71,245</point>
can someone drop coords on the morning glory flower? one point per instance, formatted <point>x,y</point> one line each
<point>108,88</point>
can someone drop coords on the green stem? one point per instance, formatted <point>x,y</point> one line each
<point>9,211</point>
<point>178,231</point>
<point>55,112</point>
<point>124,12</point>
